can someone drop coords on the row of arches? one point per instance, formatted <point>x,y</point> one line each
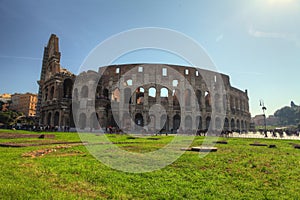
<point>52,91</point>
<point>164,122</point>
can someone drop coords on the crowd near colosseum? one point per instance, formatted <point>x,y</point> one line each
<point>138,97</point>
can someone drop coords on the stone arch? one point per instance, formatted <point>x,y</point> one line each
<point>164,94</point>
<point>232,124</point>
<point>56,118</point>
<point>51,93</point>
<point>82,121</point>
<point>188,123</point>
<point>226,124</point>
<point>152,95</point>
<point>49,118</point>
<point>84,93</point>
<point>68,86</point>
<point>115,95</point>
<point>176,121</point>
<point>140,92</point>
<point>94,120</point>
<point>176,97</point>
<point>207,101</point>
<point>139,120</point>
<point>242,125</point>
<point>207,122</point>
<point>238,127</point>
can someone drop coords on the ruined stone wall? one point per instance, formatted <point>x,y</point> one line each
<point>123,96</point>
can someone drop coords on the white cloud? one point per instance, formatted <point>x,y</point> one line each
<point>275,35</point>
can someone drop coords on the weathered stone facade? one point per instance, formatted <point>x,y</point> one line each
<point>54,106</point>
<point>147,97</point>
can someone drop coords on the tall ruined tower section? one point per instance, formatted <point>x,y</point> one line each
<point>50,66</point>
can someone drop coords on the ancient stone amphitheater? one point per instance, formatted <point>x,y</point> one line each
<point>139,98</point>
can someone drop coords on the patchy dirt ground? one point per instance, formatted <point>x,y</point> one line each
<point>58,150</point>
<point>18,135</point>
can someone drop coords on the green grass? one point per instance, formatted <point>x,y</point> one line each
<point>237,170</point>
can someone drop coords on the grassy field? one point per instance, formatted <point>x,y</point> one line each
<point>237,170</point>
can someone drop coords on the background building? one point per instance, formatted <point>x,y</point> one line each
<point>24,103</point>
<point>5,100</point>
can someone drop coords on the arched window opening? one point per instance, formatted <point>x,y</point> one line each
<point>68,85</point>
<point>105,93</point>
<point>140,95</point>
<point>226,124</point>
<point>49,119</point>
<point>176,122</point>
<point>128,82</point>
<point>115,96</point>
<point>82,121</point>
<point>84,92</point>
<point>207,122</point>
<point>139,119</point>
<point>175,83</point>
<point>238,126</point>
<point>56,119</point>
<point>176,97</point>
<point>232,124</point>
<point>152,95</point>
<point>207,101</point>
<point>164,93</point>
<point>52,93</point>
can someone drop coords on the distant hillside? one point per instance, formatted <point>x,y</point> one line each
<point>288,115</point>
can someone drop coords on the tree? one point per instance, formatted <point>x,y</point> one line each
<point>288,115</point>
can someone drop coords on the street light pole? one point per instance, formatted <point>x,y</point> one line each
<point>261,103</point>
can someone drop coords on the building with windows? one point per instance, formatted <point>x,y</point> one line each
<point>139,97</point>
<point>24,103</point>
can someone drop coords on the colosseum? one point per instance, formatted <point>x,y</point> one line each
<point>139,98</point>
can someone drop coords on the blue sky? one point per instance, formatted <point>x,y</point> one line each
<point>256,42</point>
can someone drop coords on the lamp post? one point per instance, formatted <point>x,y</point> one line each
<point>261,103</point>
